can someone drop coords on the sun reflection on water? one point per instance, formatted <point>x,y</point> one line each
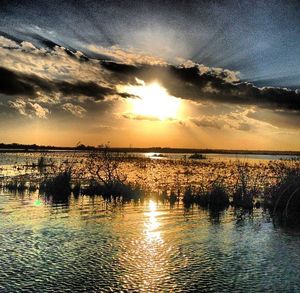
<point>152,224</point>
<point>145,260</point>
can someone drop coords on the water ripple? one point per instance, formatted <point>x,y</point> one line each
<point>93,246</point>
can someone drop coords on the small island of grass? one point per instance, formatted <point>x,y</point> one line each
<point>197,156</point>
<point>159,156</point>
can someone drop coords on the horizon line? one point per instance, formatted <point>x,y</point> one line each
<point>78,147</point>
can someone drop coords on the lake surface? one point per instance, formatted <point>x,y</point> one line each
<point>216,156</point>
<point>90,245</point>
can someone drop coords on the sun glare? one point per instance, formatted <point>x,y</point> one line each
<point>153,101</point>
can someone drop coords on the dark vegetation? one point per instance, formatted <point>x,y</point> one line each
<point>197,156</point>
<point>81,147</point>
<point>57,187</point>
<point>283,198</point>
<point>275,186</point>
<point>215,197</point>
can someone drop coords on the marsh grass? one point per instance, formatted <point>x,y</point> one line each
<point>244,189</point>
<point>121,178</point>
<point>93,188</point>
<point>102,167</point>
<point>15,185</point>
<point>76,189</point>
<point>188,196</point>
<point>212,197</point>
<point>218,196</point>
<point>283,198</point>
<point>58,187</point>
<point>173,198</point>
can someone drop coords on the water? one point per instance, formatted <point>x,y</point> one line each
<point>93,246</point>
<point>89,245</point>
<point>216,156</point>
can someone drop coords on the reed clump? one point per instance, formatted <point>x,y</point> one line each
<point>212,197</point>
<point>16,185</point>
<point>244,189</point>
<point>59,186</point>
<point>283,198</point>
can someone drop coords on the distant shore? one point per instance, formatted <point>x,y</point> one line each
<point>14,147</point>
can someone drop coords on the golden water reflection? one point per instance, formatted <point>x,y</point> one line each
<point>152,223</point>
<point>146,258</point>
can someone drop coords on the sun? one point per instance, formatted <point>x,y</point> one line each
<point>152,101</point>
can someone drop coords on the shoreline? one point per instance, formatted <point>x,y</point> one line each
<point>37,149</point>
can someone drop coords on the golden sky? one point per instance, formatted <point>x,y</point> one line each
<point>59,97</point>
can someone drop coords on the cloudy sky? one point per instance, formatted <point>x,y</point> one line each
<point>205,74</point>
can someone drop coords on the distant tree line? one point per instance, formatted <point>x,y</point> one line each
<point>35,147</point>
<point>82,147</point>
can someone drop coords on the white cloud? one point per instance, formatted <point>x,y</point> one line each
<point>76,110</point>
<point>29,109</point>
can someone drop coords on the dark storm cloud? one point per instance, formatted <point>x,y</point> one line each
<point>12,83</point>
<point>45,42</point>
<point>258,38</point>
<point>49,44</point>
<point>11,37</point>
<point>124,72</point>
<point>55,75</point>
<point>89,89</point>
<point>191,83</point>
<point>72,53</point>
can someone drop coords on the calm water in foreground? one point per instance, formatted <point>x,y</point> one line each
<point>93,246</point>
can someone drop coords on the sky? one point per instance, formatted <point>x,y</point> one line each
<point>198,74</point>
